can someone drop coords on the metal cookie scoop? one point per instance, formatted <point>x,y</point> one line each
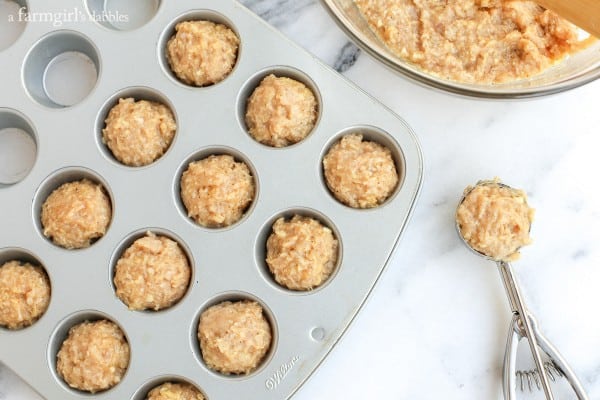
<point>524,325</point>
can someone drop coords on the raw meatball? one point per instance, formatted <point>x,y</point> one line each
<point>360,174</point>
<point>217,190</point>
<point>495,220</point>
<point>153,273</point>
<point>281,111</point>
<point>175,391</point>
<point>24,294</point>
<point>94,357</point>
<point>139,132</point>
<point>234,337</point>
<point>202,53</point>
<point>76,214</point>
<point>301,253</point>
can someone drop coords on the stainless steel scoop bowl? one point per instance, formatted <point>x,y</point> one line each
<point>524,325</point>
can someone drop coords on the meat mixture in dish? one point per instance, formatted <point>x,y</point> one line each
<point>472,41</point>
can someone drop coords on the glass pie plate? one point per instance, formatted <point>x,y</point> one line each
<point>576,70</point>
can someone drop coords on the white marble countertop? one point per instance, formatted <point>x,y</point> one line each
<point>435,326</point>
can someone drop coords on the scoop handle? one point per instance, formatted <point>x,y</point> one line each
<point>583,13</point>
<point>520,310</point>
<point>515,334</point>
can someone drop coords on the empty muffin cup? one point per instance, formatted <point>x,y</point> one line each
<point>18,147</point>
<point>13,19</point>
<point>61,69</point>
<point>122,15</point>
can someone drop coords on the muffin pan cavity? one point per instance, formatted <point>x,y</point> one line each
<point>203,154</point>
<point>266,231</point>
<point>18,147</point>
<point>61,69</point>
<point>122,15</point>
<point>235,297</point>
<point>170,32</point>
<point>280,71</point>
<point>143,392</point>
<point>158,232</point>
<point>375,135</point>
<point>32,304</point>
<point>55,181</point>
<point>60,334</point>
<point>12,21</point>
<point>137,93</point>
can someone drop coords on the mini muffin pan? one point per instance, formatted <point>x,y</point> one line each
<point>65,123</point>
